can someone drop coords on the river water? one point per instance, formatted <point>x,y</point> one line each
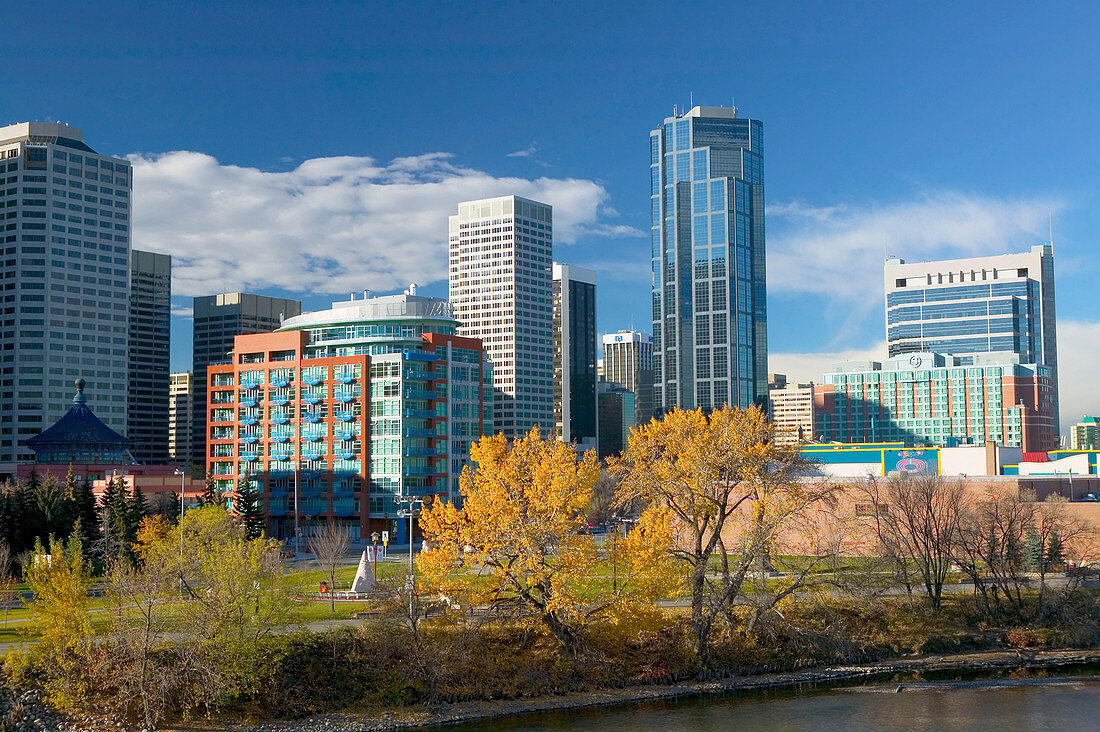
<point>1067,703</point>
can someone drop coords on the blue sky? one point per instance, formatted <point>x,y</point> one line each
<point>317,147</point>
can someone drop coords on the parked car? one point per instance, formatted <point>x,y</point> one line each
<point>1093,496</point>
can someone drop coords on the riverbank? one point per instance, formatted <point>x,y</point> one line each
<point>445,714</point>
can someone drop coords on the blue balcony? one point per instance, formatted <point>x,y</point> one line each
<point>280,381</point>
<point>420,414</point>
<point>282,455</point>
<point>345,416</point>
<point>418,375</point>
<point>419,452</point>
<point>345,379</point>
<point>346,434</point>
<point>250,421</point>
<point>419,472</point>
<point>314,507</point>
<point>420,356</point>
<point>420,394</point>
<point>311,417</point>
<point>279,401</point>
<point>249,401</point>
<point>249,439</point>
<point>312,399</point>
<point>426,490</point>
<point>416,432</point>
<point>280,438</point>
<point>276,507</point>
<point>280,419</point>
<point>279,489</point>
<point>341,507</point>
<point>249,457</point>
<point>313,379</point>
<point>346,398</point>
<point>346,454</point>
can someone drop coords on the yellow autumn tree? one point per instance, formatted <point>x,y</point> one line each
<point>519,538</point>
<point>735,495</point>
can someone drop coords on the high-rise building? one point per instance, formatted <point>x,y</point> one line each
<point>65,269</point>
<point>616,405</point>
<point>976,305</point>
<point>709,303</point>
<point>1086,434</point>
<point>628,360</point>
<point>150,324</point>
<point>180,398</point>
<point>574,295</point>
<point>218,319</point>
<point>791,410</point>
<point>501,250</point>
<point>350,408</point>
<point>934,399</point>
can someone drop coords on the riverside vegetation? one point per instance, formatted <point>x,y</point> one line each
<point>515,598</point>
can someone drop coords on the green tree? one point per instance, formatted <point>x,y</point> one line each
<point>212,495</point>
<point>59,580</point>
<point>246,504</point>
<point>87,513</point>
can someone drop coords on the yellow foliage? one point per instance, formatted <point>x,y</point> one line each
<point>153,529</point>
<point>519,535</point>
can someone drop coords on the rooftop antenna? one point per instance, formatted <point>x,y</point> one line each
<point>691,100</point>
<point>1050,222</point>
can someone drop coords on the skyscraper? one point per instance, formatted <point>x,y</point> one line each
<point>150,323</point>
<point>65,269</point>
<point>501,250</point>
<point>179,417</point>
<point>574,295</point>
<point>976,305</point>
<point>218,319</point>
<point>628,360</point>
<point>709,304</point>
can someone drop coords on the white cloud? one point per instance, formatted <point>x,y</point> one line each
<point>838,251</point>
<point>1078,353</point>
<point>529,152</point>
<point>182,312</point>
<point>330,225</point>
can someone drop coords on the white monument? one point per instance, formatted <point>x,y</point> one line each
<point>364,576</point>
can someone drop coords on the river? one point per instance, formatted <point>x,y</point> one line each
<point>1060,703</point>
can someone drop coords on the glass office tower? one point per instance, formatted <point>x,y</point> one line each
<point>1002,303</point>
<point>709,304</point>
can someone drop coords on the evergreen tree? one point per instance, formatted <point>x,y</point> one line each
<point>1033,550</point>
<point>118,522</point>
<point>51,514</point>
<point>247,506</point>
<point>139,508</point>
<point>212,496</point>
<point>87,514</point>
<point>1055,552</point>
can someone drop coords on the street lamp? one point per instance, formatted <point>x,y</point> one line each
<point>183,493</point>
<point>414,503</point>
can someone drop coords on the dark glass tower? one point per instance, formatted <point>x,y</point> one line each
<point>218,320</point>
<point>150,322</point>
<point>574,297</point>
<point>709,301</point>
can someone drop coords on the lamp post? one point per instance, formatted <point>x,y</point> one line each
<point>183,493</point>
<point>414,503</point>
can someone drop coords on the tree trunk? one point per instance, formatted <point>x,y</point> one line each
<point>565,635</point>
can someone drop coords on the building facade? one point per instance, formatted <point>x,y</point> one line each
<point>431,390</point>
<point>218,320</point>
<point>616,405</point>
<point>574,302</point>
<point>64,279</point>
<point>180,401</point>
<point>930,399</point>
<point>500,252</point>
<point>351,407</point>
<point>628,360</point>
<point>964,307</point>
<point>791,410</point>
<point>1086,434</point>
<point>708,260</point>
<point>150,324</point>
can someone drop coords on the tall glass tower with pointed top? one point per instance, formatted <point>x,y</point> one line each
<point>709,300</point>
